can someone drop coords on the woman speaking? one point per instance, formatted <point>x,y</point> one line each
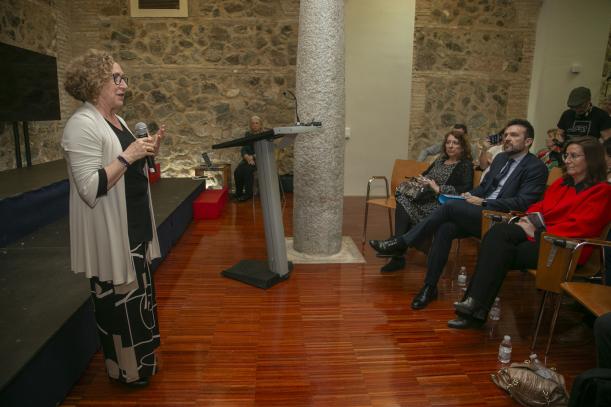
<point>113,236</point>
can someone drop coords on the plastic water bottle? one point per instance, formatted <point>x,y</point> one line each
<point>462,277</point>
<point>495,311</point>
<point>505,350</point>
<point>540,368</point>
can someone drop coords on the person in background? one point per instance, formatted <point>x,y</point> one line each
<point>245,171</point>
<point>490,147</point>
<point>606,105</point>
<point>113,237</point>
<point>582,118</point>
<point>576,205</point>
<point>450,173</point>
<point>436,149</point>
<point>551,155</point>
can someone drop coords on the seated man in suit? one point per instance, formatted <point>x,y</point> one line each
<point>516,179</point>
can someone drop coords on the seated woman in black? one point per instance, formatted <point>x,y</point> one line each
<point>244,173</point>
<point>451,173</point>
<point>576,205</point>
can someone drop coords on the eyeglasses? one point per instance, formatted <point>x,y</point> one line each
<point>117,78</point>
<point>572,156</point>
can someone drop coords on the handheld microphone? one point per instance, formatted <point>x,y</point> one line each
<point>142,131</point>
<point>287,93</point>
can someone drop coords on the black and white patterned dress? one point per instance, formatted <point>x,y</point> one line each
<point>439,172</point>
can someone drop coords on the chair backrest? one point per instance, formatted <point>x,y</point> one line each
<point>595,262</point>
<point>477,177</point>
<point>552,265</point>
<point>553,175</point>
<point>554,270</point>
<point>405,168</point>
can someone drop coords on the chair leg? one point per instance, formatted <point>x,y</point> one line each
<point>390,222</point>
<point>539,319</point>
<point>364,238</point>
<point>553,325</point>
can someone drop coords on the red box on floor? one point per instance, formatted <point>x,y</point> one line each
<point>210,203</point>
<point>154,176</point>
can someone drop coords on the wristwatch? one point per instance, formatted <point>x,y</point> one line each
<point>484,203</point>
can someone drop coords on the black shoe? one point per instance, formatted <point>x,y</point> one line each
<point>243,198</point>
<point>427,294</point>
<point>392,247</point>
<point>142,382</point>
<point>465,323</point>
<point>395,263</point>
<point>466,307</point>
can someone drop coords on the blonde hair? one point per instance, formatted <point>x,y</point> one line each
<point>87,74</point>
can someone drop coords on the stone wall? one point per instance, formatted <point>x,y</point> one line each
<point>203,76</point>
<point>40,26</point>
<point>472,64</point>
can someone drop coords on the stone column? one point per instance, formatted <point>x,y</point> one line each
<point>319,157</point>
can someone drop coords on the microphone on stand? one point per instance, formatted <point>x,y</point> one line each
<point>142,131</point>
<point>287,93</point>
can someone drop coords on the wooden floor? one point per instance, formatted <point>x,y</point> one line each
<point>332,335</point>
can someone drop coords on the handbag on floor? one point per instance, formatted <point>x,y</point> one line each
<point>532,385</point>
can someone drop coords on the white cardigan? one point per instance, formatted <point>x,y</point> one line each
<point>99,240</point>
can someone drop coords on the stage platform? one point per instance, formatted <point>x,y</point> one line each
<point>20,180</point>
<point>46,316</point>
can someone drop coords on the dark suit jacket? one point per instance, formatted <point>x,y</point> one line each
<point>524,186</point>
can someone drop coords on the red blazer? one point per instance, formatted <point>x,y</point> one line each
<point>571,214</point>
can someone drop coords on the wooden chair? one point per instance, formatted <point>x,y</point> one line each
<point>401,170</point>
<point>557,265</point>
<point>595,297</point>
<point>553,175</point>
<point>477,177</point>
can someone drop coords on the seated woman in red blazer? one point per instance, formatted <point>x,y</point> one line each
<point>576,205</point>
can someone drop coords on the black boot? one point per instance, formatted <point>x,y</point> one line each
<point>427,294</point>
<point>395,263</point>
<point>386,248</point>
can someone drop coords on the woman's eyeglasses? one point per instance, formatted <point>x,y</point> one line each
<point>117,78</point>
<point>572,156</point>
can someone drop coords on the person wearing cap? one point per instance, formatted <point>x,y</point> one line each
<point>582,118</point>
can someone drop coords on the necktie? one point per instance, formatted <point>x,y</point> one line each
<point>502,173</point>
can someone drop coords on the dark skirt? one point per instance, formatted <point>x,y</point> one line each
<point>126,316</point>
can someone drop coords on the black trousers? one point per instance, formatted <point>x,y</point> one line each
<point>454,219</point>
<point>505,247</point>
<point>402,222</point>
<point>602,333</point>
<point>244,178</point>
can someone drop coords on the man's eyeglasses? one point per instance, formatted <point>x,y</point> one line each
<point>117,78</point>
<point>572,156</point>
